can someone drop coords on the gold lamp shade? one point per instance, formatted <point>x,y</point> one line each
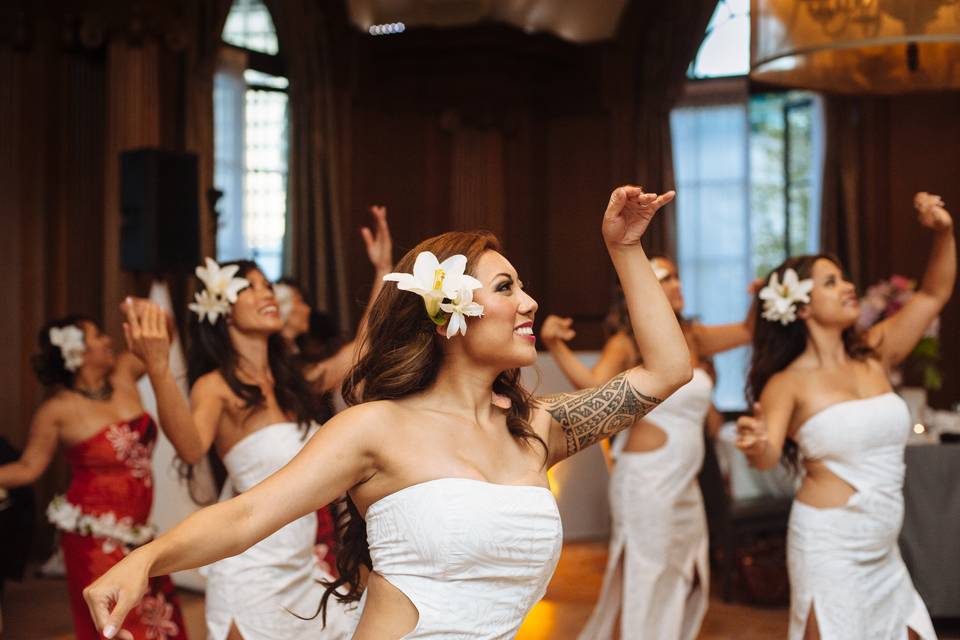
<point>856,46</point>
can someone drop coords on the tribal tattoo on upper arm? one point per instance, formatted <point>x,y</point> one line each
<point>591,415</point>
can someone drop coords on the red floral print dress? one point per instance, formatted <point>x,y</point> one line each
<point>104,515</point>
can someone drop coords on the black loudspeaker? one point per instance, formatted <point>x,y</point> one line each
<point>160,223</point>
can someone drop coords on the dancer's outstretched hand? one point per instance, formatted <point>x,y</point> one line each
<point>629,214</point>
<point>378,241</point>
<point>932,212</point>
<point>114,594</point>
<point>146,332</point>
<point>556,329</point>
<point>752,432</point>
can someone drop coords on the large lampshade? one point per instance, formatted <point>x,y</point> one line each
<point>856,46</point>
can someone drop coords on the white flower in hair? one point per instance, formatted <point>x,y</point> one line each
<point>220,290</point>
<point>220,281</point>
<point>69,340</point>
<point>284,295</point>
<point>458,308</point>
<point>435,281</point>
<point>208,306</point>
<point>780,299</point>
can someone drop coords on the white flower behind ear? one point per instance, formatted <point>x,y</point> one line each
<point>780,300</point>
<point>69,340</point>
<point>435,281</point>
<point>208,306</point>
<point>220,290</point>
<point>284,295</point>
<point>460,307</point>
<point>220,281</point>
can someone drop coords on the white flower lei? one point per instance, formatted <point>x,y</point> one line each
<point>69,517</point>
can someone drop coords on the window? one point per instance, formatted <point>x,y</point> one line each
<point>786,156</point>
<point>725,50</point>
<point>748,178</point>
<point>251,128</point>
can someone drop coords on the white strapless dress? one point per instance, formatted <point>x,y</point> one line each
<point>261,589</point>
<point>844,562</point>
<point>659,539</point>
<point>473,557</point>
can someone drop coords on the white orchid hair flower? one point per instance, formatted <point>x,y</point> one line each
<point>220,290</point>
<point>445,289</point>
<point>69,340</point>
<point>459,308</point>
<point>284,295</point>
<point>781,299</point>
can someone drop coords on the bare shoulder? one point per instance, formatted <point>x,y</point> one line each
<point>53,410</point>
<point>784,382</point>
<point>372,419</point>
<point>369,425</point>
<point>211,383</point>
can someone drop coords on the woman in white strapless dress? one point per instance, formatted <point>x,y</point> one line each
<point>658,571</point>
<point>823,400</point>
<point>251,403</point>
<point>444,455</point>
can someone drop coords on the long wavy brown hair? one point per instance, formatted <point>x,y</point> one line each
<point>775,345</point>
<point>402,356</point>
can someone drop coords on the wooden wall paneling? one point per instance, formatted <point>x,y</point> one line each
<point>924,144</point>
<point>578,187</point>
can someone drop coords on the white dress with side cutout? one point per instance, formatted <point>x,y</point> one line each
<point>844,562</point>
<point>473,557</point>
<point>658,572</point>
<point>263,590</point>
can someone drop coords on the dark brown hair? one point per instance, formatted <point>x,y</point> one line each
<point>402,356</point>
<point>776,345</point>
<point>212,349</point>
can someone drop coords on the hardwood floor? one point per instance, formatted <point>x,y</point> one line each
<point>37,609</point>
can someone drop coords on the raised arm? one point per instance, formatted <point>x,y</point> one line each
<point>761,436</point>
<point>895,337</point>
<point>577,420</point>
<point>328,374</point>
<point>618,354</point>
<point>717,338</point>
<point>147,333</point>
<point>339,457</point>
<point>41,445</point>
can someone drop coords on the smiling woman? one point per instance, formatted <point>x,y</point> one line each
<point>442,451</point>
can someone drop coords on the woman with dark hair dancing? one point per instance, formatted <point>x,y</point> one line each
<point>822,397</point>
<point>658,571</point>
<point>250,401</point>
<point>327,370</point>
<point>95,412</point>
<point>444,455</point>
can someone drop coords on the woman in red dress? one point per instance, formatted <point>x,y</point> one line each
<point>95,412</point>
